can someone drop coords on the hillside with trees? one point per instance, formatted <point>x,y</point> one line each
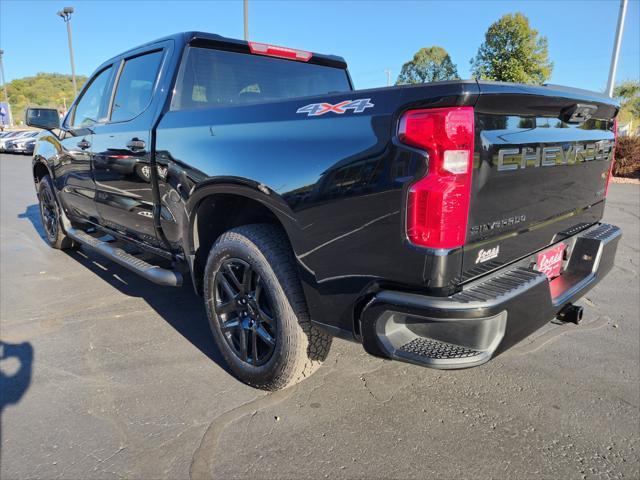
<point>43,90</point>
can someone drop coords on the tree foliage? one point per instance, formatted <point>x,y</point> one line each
<point>512,52</point>
<point>42,90</point>
<point>628,93</point>
<point>431,64</point>
<point>627,158</point>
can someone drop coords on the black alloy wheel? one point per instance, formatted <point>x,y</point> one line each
<point>245,312</point>
<point>257,310</point>
<point>49,214</point>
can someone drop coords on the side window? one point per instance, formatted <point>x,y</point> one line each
<point>135,85</point>
<point>88,110</point>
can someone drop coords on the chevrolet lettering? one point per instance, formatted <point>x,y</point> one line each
<point>552,155</point>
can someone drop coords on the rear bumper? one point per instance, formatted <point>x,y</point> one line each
<point>489,315</point>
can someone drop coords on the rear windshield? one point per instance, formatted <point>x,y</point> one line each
<point>210,78</point>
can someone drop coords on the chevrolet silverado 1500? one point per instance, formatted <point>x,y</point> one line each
<point>436,224</point>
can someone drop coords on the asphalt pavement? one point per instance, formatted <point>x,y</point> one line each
<point>104,375</point>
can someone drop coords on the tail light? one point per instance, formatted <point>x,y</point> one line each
<point>279,52</point>
<point>613,155</point>
<point>438,204</point>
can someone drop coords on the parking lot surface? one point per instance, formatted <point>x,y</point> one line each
<point>107,376</point>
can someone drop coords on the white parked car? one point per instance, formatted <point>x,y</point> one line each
<point>15,135</point>
<point>21,143</point>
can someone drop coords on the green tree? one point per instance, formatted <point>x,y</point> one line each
<point>512,52</point>
<point>43,90</point>
<point>628,93</point>
<point>431,64</point>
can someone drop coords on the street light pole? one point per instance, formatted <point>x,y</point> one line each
<point>4,88</point>
<point>65,14</point>
<point>616,47</point>
<point>388,72</point>
<point>246,20</point>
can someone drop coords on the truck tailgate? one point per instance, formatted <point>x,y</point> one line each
<point>540,170</point>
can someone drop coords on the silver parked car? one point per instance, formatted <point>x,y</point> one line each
<point>10,136</point>
<point>21,143</point>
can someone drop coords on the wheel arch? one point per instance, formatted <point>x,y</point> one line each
<point>216,207</point>
<point>39,170</point>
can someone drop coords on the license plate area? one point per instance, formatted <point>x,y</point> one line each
<point>550,261</point>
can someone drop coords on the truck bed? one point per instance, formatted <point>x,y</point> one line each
<point>339,181</point>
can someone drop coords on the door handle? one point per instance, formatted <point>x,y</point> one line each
<point>135,145</point>
<point>84,144</point>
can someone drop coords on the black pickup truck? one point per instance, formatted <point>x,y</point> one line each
<point>436,224</point>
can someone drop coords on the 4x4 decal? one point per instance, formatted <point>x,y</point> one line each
<point>316,109</point>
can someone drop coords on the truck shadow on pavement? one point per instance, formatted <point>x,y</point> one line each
<point>180,307</point>
<point>32,213</point>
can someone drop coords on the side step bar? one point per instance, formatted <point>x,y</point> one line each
<point>153,273</point>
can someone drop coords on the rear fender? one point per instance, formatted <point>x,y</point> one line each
<point>242,188</point>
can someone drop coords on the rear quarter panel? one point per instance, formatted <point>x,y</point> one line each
<point>336,182</point>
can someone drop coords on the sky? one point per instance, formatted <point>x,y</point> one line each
<point>371,35</point>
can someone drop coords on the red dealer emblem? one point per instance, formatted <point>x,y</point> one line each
<point>550,261</point>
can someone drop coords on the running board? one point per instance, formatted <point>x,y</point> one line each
<point>153,273</point>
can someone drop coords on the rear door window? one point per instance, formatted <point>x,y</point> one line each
<point>135,86</point>
<point>211,78</point>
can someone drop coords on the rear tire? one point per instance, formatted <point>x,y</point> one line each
<point>50,216</point>
<point>143,172</point>
<point>252,291</point>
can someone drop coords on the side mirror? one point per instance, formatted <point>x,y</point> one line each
<point>45,118</point>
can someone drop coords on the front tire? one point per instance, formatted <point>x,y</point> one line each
<point>257,311</point>
<point>50,216</point>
